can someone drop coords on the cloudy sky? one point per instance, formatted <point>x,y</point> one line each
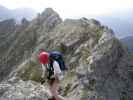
<point>72,8</point>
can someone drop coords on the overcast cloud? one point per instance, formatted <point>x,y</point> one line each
<point>72,8</point>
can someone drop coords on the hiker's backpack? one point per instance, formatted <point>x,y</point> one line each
<point>57,56</point>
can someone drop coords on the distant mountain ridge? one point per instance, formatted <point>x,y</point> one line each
<point>4,13</point>
<point>120,21</point>
<point>128,41</point>
<point>17,13</point>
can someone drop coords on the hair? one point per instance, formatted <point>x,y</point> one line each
<point>41,49</point>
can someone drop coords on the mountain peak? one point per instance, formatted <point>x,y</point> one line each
<point>48,12</point>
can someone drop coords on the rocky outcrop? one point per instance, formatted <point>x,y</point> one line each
<point>15,89</point>
<point>107,73</point>
<point>99,65</point>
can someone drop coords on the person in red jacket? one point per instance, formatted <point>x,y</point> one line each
<point>54,77</point>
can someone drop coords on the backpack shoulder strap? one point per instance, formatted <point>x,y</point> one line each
<point>50,70</point>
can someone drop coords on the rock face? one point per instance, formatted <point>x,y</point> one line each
<point>6,27</point>
<point>99,65</point>
<point>16,89</point>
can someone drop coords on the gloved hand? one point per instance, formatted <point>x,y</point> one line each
<point>42,80</point>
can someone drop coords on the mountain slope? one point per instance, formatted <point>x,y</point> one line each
<point>99,65</point>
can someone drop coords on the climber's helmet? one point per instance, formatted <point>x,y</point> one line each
<point>43,57</point>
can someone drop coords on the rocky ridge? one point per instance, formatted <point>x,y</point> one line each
<point>99,65</point>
